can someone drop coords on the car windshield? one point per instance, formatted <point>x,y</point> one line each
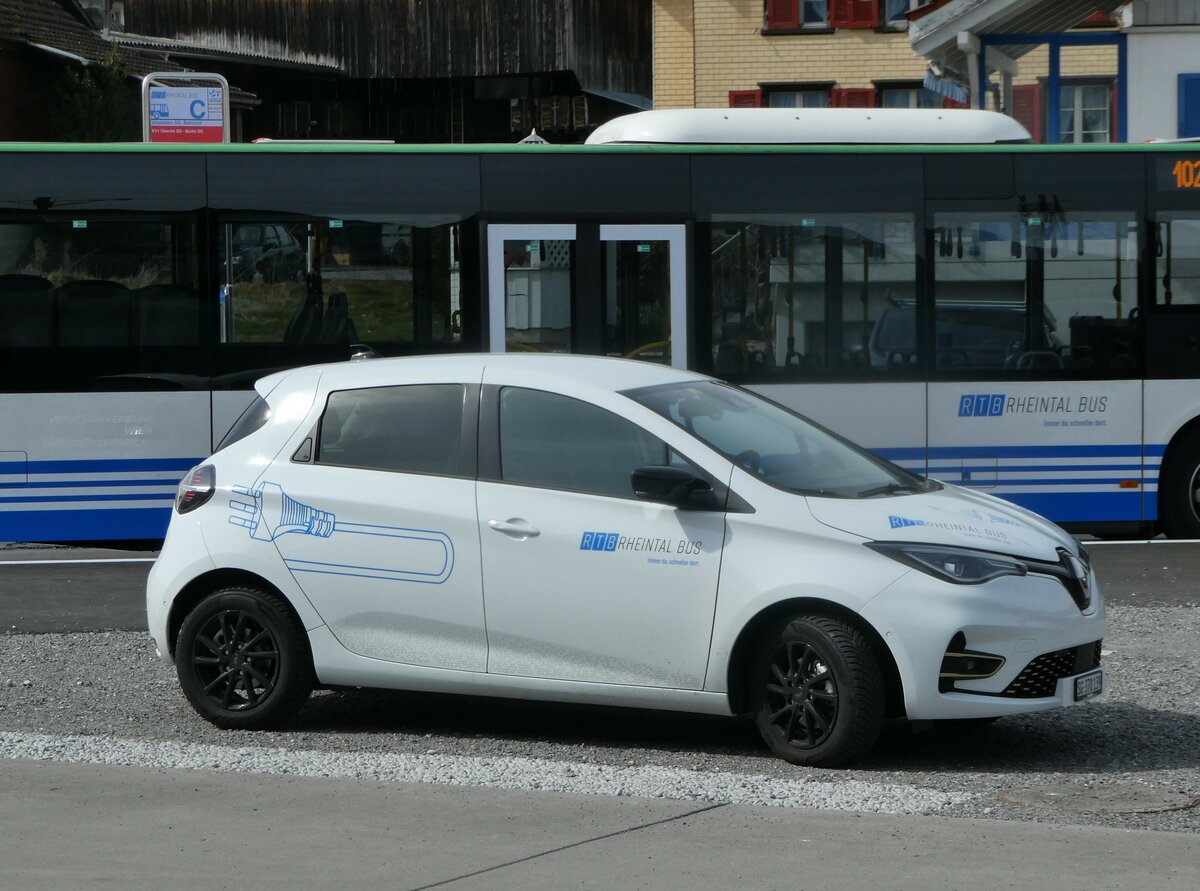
<point>779,447</point>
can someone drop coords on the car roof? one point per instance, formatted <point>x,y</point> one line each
<point>601,372</point>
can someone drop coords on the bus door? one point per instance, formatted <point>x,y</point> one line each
<point>1173,337</point>
<point>609,290</point>
<point>1035,392</point>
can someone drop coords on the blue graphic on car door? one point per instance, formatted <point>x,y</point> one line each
<point>397,553</point>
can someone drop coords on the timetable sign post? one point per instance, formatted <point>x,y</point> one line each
<point>185,107</point>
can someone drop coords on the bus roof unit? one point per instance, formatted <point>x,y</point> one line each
<point>811,126</point>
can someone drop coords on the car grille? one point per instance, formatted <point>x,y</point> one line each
<point>1040,677</point>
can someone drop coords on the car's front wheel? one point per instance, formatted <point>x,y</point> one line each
<point>818,692</point>
<point>243,660</point>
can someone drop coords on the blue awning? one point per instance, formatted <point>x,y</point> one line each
<point>945,88</point>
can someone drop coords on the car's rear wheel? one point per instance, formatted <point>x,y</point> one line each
<point>243,660</point>
<point>818,692</point>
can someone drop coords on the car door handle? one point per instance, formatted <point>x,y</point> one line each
<point>515,528</point>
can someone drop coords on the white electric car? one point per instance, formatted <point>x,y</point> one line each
<point>604,531</point>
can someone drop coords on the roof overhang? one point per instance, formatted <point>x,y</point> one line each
<point>949,35</point>
<point>220,50</point>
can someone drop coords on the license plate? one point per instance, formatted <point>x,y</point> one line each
<point>1089,685</point>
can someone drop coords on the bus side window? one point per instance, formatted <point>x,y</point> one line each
<point>26,311</point>
<point>822,296</point>
<point>93,313</point>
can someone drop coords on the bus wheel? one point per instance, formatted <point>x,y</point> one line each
<point>243,660</point>
<point>818,692</point>
<point>1179,488</point>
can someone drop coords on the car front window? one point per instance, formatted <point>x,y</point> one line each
<point>772,443</point>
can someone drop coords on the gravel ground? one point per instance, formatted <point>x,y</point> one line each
<point>1131,759</point>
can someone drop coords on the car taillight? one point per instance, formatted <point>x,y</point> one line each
<point>196,488</point>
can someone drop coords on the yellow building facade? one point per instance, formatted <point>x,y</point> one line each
<point>714,53</point>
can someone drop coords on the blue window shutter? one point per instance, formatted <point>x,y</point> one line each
<point>1189,105</point>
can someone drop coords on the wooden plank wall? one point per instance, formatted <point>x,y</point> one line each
<point>607,42</point>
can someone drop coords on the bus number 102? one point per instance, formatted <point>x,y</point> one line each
<point>1187,174</point>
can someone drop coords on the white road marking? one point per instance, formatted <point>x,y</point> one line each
<point>97,560</point>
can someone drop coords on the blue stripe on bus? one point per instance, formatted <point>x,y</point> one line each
<point>1132,451</point>
<point>112,465</point>
<point>899,454</point>
<point>984,480</point>
<point>84,525</point>
<point>83,484</point>
<point>50,499</point>
<point>1075,451</point>
<point>1079,507</point>
<point>1150,510</point>
<point>1135,470</point>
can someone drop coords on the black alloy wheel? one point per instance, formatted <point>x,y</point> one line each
<point>243,660</point>
<point>801,697</point>
<point>818,692</point>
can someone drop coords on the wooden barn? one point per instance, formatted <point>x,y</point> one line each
<point>408,70</point>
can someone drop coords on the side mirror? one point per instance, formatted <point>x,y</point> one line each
<point>671,485</point>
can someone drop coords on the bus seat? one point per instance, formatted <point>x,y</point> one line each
<point>337,326</point>
<point>26,311</point>
<point>166,315</point>
<point>730,359</point>
<point>306,321</point>
<point>93,313</point>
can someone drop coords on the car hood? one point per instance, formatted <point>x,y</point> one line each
<point>950,516</point>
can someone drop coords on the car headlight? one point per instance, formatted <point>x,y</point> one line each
<point>962,566</point>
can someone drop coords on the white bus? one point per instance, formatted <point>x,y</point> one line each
<point>1020,319</point>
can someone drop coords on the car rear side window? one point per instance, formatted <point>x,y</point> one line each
<point>563,443</point>
<point>407,429</point>
<point>257,414</point>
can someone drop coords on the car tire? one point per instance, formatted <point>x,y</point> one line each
<point>243,660</point>
<point>818,692</point>
<point>1179,488</point>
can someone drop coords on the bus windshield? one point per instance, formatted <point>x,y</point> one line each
<point>777,446</point>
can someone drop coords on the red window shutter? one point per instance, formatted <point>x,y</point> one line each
<point>852,97</point>
<point>854,13</point>
<point>745,98</point>
<point>1027,109</point>
<point>783,15</point>
<point>1113,128</point>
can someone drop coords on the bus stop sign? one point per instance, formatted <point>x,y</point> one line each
<point>196,111</point>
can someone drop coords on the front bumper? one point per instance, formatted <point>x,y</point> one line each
<point>1032,622</point>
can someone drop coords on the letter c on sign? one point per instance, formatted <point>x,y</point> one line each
<point>197,109</point>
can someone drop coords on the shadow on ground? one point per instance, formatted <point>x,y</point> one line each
<point>1085,739</point>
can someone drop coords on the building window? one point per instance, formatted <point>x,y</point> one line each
<point>1189,106</point>
<point>794,15</point>
<point>815,13</point>
<point>798,98</point>
<point>1085,113</point>
<point>909,97</point>
<point>894,12</point>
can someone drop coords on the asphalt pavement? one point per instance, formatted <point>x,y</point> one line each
<point>89,826</point>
